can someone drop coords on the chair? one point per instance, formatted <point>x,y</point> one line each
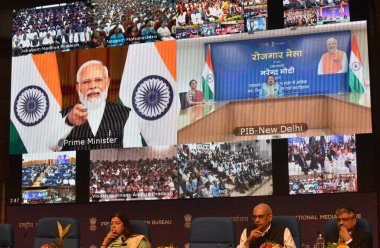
<point>294,226</point>
<point>210,232</point>
<point>138,227</point>
<point>332,225</point>
<point>47,231</point>
<point>6,235</point>
<point>182,99</point>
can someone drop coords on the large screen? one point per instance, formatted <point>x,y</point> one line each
<point>274,87</point>
<point>177,92</point>
<point>48,178</point>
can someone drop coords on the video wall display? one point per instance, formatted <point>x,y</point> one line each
<point>159,118</point>
<point>322,164</point>
<point>211,170</point>
<point>48,178</point>
<point>315,12</point>
<point>148,173</point>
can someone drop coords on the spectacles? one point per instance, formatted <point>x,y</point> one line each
<point>344,219</point>
<point>260,217</point>
<point>98,81</point>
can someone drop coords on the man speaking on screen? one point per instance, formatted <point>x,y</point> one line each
<point>96,123</point>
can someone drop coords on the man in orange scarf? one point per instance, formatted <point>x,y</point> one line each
<point>334,60</point>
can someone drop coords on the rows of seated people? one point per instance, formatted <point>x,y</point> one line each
<point>78,25</point>
<point>202,11</point>
<point>305,4</point>
<point>319,184</point>
<point>218,173</point>
<point>323,156</point>
<point>59,175</point>
<point>31,172</point>
<point>132,21</point>
<point>127,180</point>
<point>64,27</point>
<point>300,18</point>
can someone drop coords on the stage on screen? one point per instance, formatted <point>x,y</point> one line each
<point>322,164</point>
<point>48,178</point>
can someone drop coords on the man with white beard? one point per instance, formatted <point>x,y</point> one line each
<point>96,123</point>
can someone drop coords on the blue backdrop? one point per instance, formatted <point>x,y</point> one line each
<point>241,67</point>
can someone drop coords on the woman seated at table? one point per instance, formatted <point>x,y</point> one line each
<point>120,234</point>
<point>194,96</point>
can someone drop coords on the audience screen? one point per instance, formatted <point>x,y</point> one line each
<point>149,173</point>
<point>205,18</point>
<point>316,12</point>
<point>59,27</point>
<point>210,170</point>
<point>123,22</point>
<point>48,178</point>
<point>91,24</point>
<point>322,164</point>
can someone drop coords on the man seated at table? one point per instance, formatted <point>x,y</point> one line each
<point>263,230</point>
<point>271,89</point>
<point>194,96</point>
<point>346,231</point>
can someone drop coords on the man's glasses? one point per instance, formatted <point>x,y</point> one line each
<point>260,217</point>
<point>344,219</point>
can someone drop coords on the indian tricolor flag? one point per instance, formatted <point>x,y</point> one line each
<point>208,84</point>
<point>36,101</point>
<point>356,72</point>
<point>148,87</point>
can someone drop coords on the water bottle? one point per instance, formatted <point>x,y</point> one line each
<point>320,242</point>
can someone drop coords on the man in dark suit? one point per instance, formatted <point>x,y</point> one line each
<point>263,230</point>
<point>346,231</point>
<point>301,161</point>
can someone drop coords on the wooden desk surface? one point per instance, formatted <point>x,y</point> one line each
<point>324,115</point>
